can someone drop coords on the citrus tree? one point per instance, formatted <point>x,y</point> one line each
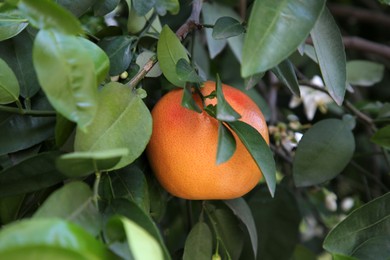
<point>268,136</point>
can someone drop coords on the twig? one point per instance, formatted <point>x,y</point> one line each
<point>360,14</point>
<point>191,24</point>
<point>363,117</point>
<point>25,112</point>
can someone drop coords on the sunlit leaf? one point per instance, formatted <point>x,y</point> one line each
<point>141,244</point>
<point>79,164</point>
<point>49,239</point>
<point>11,24</point>
<point>74,203</point>
<point>275,30</point>
<point>46,14</point>
<point>199,243</point>
<point>226,27</point>
<point>363,234</point>
<point>323,152</point>
<point>330,52</point>
<point>259,150</point>
<point>226,144</point>
<point>122,121</point>
<point>9,85</point>
<point>169,52</point>
<point>67,75</point>
<point>364,72</point>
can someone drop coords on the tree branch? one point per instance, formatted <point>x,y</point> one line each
<point>191,24</point>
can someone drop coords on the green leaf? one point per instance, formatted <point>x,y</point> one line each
<point>78,8</point>
<point>273,217</point>
<point>329,47</point>
<point>11,24</point>
<point>130,210</point>
<point>364,73</point>
<point>74,203</point>
<point>128,183</point>
<point>103,7</point>
<point>79,164</point>
<point>49,239</point>
<point>9,86</point>
<point>173,6</point>
<point>286,74</point>
<point>67,75</point>
<point>226,144</point>
<point>143,58</point>
<point>17,52</point>
<point>241,209</point>
<point>186,72</point>
<point>32,174</point>
<point>118,51</point>
<point>63,130</point>
<point>225,112</point>
<point>324,151</point>
<point>141,244</point>
<point>188,100</point>
<point>10,208</point>
<point>382,137</point>
<point>143,7</point>
<point>199,244</point>
<point>303,253</point>
<point>122,121</point>
<point>275,30</point>
<point>46,14</point>
<point>169,52</point>
<point>259,150</point>
<point>229,232</point>
<point>363,234</point>
<point>99,58</point>
<point>19,132</point>
<point>226,27</point>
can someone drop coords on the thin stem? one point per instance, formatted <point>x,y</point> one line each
<point>26,112</point>
<point>363,117</point>
<point>96,189</point>
<point>142,73</point>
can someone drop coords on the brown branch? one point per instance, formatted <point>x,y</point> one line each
<point>357,43</point>
<point>191,24</point>
<point>360,14</point>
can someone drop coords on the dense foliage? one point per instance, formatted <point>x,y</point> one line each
<point>78,80</point>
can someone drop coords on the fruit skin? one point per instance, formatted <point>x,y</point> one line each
<point>183,147</point>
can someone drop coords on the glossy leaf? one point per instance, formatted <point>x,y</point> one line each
<point>259,150</point>
<point>382,137</point>
<point>17,52</point>
<point>11,24</point>
<point>19,132</point>
<point>226,27</point>
<point>67,75</point>
<point>98,56</point>
<point>141,244</point>
<point>143,7</point>
<point>241,209</point>
<point>49,239</point>
<point>46,14</point>
<point>188,100</point>
<point>364,72</point>
<point>329,48</point>
<point>118,51</point>
<point>80,164</point>
<point>199,243</point>
<point>73,203</point>
<point>225,111</point>
<point>122,121</point>
<point>9,86</point>
<point>286,74</point>
<point>169,52</point>
<point>275,30</point>
<point>34,173</point>
<point>128,183</point>
<point>186,72</point>
<point>226,144</point>
<point>363,234</point>
<point>273,217</point>
<point>323,152</point>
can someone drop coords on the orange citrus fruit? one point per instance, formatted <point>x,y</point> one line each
<point>183,147</point>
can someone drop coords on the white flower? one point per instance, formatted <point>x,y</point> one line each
<point>312,98</point>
